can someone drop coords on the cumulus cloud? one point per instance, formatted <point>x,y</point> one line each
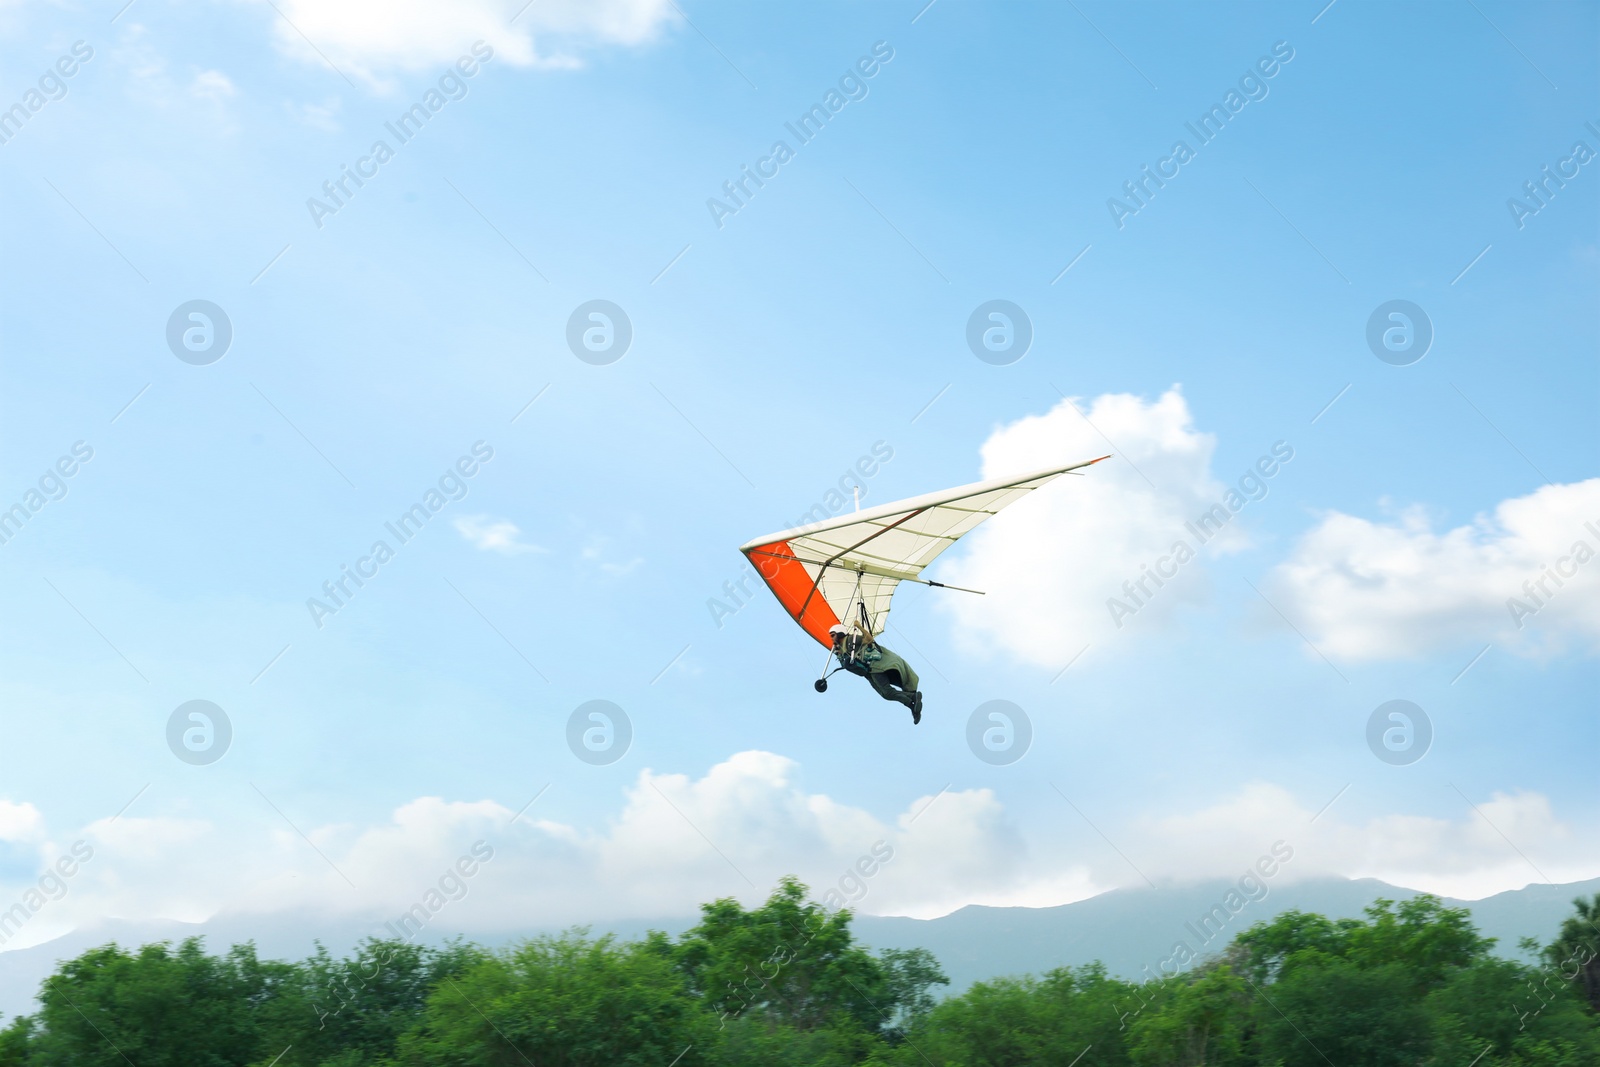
<point>494,535</point>
<point>1522,576</point>
<point>1467,857</point>
<point>1050,563</point>
<point>677,841</point>
<point>369,38</point>
<point>20,822</point>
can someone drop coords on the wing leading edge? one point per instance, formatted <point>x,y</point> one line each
<point>825,572</point>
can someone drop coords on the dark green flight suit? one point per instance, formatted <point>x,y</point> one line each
<point>883,670</point>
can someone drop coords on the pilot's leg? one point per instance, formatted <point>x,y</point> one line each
<point>885,681</point>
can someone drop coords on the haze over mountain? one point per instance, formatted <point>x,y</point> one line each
<point>1126,929</point>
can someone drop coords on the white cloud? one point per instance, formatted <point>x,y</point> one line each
<point>654,858</point>
<point>20,822</point>
<point>1050,562</point>
<point>595,552</point>
<point>367,38</point>
<point>203,98</point>
<point>211,85</point>
<point>1465,857</point>
<point>947,851</point>
<point>324,116</point>
<point>1365,590</point>
<point>494,535</point>
<point>678,841</point>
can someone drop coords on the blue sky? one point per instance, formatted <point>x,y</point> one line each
<point>768,354</point>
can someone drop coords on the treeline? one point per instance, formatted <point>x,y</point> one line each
<point>786,983</point>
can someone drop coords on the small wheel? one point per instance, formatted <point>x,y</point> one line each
<point>820,685</point>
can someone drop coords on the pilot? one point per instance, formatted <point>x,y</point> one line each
<point>884,670</point>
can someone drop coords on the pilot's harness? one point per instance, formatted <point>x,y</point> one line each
<point>853,641</point>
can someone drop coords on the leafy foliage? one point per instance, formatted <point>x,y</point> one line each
<point>1575,953</point>
<point>1204,1022</point>
<point>785,984</point>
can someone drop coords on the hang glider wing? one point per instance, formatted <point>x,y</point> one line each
<point>846,568</point>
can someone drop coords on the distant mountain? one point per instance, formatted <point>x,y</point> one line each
<point>1132,929</point>
<point>1126,929</point>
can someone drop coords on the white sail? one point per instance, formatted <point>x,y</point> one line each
<point>845,569</point>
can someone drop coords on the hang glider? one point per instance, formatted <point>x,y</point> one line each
<point>845,569</point>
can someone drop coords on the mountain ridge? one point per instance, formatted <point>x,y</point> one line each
<point>1132,931</point>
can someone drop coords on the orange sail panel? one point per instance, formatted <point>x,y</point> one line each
<point>846,567</point>
<point>793,584</point>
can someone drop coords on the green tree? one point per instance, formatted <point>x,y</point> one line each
<point>1352,990</point>
<point>16,1041</point>
<point>909,976</point>
<point>1495,1009</point>
<point>562,1002</point>
<point>1422,933</point>
<point>1200,1022</point>
<point>789,961</point>
<point>1431,940</point>
<point>785,984</point>
<point>1331,1010</point>
<point>157,1007</point>
<point>1575,953</point>
<point>1261,952</point>
<point>162,1005</point>
<point>354,1010</point>
<point>1028,1022</point>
